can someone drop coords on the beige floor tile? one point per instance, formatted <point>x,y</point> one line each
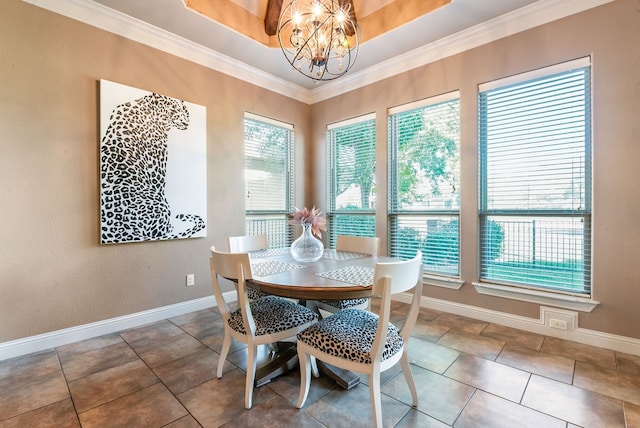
<point>575,405</point>
<point>31,394</point>
<point>474,344</point>
<point>486,410</point>
<point>430,331</point>
<point>514,336</point>
<point>184,422</point>
<point>632,415</point>
<point>150,333</point>
<point>202,327</point>
<point>460,323</point>
<point>58,415</point>
<point>66,351</point>
<point>208,315</point>
<point>218,401</point>
<point>276,412</point>
<point>154,406</point>
<point>352,408</point>
<point>76,366</point>
<point>174,384</point>
<point>417,419</point>
<point>99,388</point>
<point>192,370</point>
<point>168,349</point>
<point>431,356</point>
<point>580,352</point>
<point>22,369</point>
<point>497,379</point>
<point>547,365</point>
<point>628,363</point>
<point>623,386</point>
<point>438,396</point>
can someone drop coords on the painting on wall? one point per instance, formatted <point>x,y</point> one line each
<point>153,166</point>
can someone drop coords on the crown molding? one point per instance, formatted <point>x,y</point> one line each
<point>536,14</point>
<point>107,19</point>
<point>99,16</point>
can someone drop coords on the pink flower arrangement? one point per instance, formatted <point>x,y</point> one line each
<point>312,217</point>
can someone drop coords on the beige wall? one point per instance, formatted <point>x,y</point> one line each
<point>54,273</point>
<point>609,33</point>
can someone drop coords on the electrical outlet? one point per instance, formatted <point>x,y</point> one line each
<point>191,280</point>
<point>559,324</point>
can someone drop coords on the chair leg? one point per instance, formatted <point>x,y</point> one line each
<point>305,376</point>
<point>226,345</point>
<point>251,375</point>
<point>314,366</point>
<point>406,369</point>
<point>376,402</point>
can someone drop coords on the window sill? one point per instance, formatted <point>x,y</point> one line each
<point>576,303</point>
<point>438,281</point>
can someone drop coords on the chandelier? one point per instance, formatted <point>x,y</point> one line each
<point>319,38</point>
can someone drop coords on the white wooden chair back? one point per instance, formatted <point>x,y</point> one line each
<point>243,244</point>
<point>392,278</point>
<point>358,244</point>
<point>235,267</point>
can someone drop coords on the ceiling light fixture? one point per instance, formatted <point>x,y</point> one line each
<point>319,38</point>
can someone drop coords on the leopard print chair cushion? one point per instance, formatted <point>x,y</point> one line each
<point>349,334</point>
<point>344,304</point>
<point>254,294</point>
<point>273,314</point>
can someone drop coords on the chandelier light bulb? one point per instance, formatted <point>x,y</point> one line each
<point>317,9</point>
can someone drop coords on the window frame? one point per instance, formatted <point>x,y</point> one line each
<point>334,214</point>
<point>434,276</point>
<point>536,291</point>
<point>273,222</point>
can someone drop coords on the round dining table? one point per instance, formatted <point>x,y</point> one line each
<point>336,275</point>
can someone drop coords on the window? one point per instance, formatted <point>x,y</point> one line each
<point>268,148</point>
<point>535,179</point>
<point>351,163</point>
<point>424,200</point>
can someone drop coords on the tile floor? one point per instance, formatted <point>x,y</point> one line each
<point>469,374</point>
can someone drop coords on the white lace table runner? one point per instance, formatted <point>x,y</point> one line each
<point>357,275</point>
<point>272,267</point>
<point>341,255</point>
<point>269,252</point>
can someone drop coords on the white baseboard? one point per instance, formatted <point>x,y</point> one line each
<point>574,333</point>
<point>54,339</point>
<point>41,342</point>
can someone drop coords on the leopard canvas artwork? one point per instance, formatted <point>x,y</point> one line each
<point>152,166</point>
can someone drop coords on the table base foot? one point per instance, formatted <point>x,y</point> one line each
<point>344,378</point>
<point>285,360</point>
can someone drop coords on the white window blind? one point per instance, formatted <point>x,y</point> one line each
<point>424,175</point>
<point>268,178</point>
<point>351,151</point>
<point>535,176</point>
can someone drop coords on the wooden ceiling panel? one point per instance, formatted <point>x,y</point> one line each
<point>258,19</point>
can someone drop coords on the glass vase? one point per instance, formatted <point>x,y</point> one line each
<point>307,248</point>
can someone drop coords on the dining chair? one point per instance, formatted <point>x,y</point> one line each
<point>351,244</point>
<point>244,244</point>
<point>263,321</point>
<point>366,342</point>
